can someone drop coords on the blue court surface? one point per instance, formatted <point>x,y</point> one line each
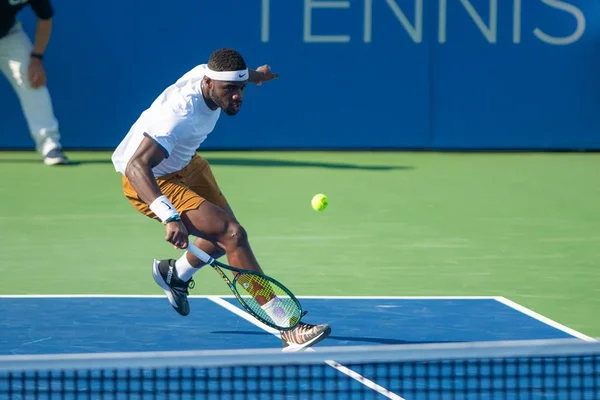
<point>91,324</point>
<point>99,324</point>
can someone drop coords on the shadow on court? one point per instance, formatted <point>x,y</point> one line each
<point>231,162</point>
<point>65,324</point>
<point>32,160</point>
<point>359,339</point>
<point>264,162</point>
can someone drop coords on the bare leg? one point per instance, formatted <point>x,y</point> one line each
<point>216,225</point>
<point>208,247</point>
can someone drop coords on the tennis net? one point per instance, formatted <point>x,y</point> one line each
<point>551,369</point>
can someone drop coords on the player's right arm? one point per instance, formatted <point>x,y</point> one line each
<point>139,172</point>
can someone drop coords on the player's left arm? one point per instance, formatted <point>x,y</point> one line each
<point>261,74</point>
<point>44,11</point>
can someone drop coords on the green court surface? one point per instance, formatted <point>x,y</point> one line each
<point>524,226</point>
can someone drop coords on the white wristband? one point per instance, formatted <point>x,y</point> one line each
<point>163,209</point>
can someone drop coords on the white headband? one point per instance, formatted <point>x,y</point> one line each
<point>235,76</point>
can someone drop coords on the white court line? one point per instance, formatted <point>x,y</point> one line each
<point>544,319</point>
<point>346,371</point>
<point>500,299</point>
<point>244,315</point>
<point>368,383</point>
<point>219,300</point>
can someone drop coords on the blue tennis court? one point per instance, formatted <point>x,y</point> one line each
<point>76,324</point>
<point>36,325</point>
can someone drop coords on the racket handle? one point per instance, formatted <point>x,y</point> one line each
<point>205,257</point>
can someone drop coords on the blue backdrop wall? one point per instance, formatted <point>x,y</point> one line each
<point>427,74</point>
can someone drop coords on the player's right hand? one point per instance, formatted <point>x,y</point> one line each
<point>177,234</point>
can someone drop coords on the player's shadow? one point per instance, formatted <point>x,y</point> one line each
<point>232,161</point>
<point>267,162</point>
<point>38,160</point>
<point>384,340</point>
<point>356,339</point>
<point>74,163</point>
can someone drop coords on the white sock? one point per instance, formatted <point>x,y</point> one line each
<point>184,269</point>
<point>276,312</point>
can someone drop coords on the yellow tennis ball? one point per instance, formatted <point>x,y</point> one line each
<point>319,202</point>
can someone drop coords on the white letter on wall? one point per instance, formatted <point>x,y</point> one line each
<point>308,36</point>
<point>575,36</point>
<point>415,32</point>
<point>491,32</point>
<point>442,21</point>
<point>264,34</point>
<point>517,21</point>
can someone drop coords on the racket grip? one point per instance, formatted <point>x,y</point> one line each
<point>205,257</point>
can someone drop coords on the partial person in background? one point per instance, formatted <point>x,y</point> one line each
<point>21,63</point>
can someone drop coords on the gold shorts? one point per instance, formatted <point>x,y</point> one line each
<point>186,188</point>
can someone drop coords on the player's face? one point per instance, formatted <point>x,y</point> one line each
<point>228,95</point>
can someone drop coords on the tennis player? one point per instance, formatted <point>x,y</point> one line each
<point>165,179</point>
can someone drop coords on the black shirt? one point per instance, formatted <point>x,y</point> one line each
<point>10,8</point>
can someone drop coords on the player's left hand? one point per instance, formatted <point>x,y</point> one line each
<point>265,74</point>
<point>36,73</point>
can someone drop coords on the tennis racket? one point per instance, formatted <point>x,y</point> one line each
<point>261,296</point>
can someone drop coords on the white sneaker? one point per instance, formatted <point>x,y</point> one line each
<point>303,336</point>
<point>55,157</point>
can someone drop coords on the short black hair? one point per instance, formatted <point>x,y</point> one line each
<point>226,60</point>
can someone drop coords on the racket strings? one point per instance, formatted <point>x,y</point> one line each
<point>258,287</point>
<point>269,300</point>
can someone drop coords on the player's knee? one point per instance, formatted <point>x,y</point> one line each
<point>235,235</point>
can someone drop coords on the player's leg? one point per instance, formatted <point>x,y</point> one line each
<point>214,224</point>
<point>188,264</point>
<point>15,50</point>
<point>164,271</point>
<point>216,221</point>
<point>216,229</point>
<point>205,185</point>
<point>199,177</point>
<point>175,276</point>
<point>188,190</point>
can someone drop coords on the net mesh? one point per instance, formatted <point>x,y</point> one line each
<point>532,370</point>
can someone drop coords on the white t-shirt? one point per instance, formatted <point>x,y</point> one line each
<point>178,120</point>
